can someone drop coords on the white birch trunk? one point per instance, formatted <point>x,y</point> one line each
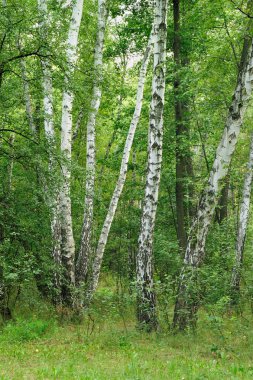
<point>146,312</point>
<point>68,244</point>
<point>186,307</point>
<point>84,252</point>
<point>121,179</point>
<point>65,3</point>
<point>47,78</point>
<point>53,191</point>
<point>243,223</point>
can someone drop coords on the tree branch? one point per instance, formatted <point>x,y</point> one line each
<point>18,133</point>
<point>241,10</point>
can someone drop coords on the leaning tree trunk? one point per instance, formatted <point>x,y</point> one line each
<point>242,227</point>
<point>187,300</point>
<point>84,253</point>
<point>68,244</point>
<point>146,304</point>
<point>53,189</point>
<point>121,179</point>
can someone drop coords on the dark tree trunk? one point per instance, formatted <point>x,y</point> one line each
<point>183,158</point>
<point>5,310</point>
<point>222,209</point>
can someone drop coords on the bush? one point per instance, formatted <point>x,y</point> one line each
<point>22,331</point>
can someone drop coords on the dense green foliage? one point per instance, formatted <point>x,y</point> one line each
<point>212,35</point>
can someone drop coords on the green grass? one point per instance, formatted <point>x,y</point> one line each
<point>35,349</point>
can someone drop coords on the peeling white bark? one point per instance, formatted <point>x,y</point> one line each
<point>84,252</point>
<point>145,291</point>
<point>186,308</point>
<point>196,244</point>
<point>47,81</point>
<point>68,244</point>
<point>53,199</point>
<point>243,222</point>
<point>47,78</point>
<point>121,179</point>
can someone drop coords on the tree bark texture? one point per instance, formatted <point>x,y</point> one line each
<point>242,227</point>
<point>187,300</point>
<point>146,303</point>
<point>68,244</point>
<point>85,247</point>
<point>53,190</point>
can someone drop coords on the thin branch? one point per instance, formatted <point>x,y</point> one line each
<point>2,42</point>
<point>23,55</point>
<point>18,133</point>
<point>241,10</point>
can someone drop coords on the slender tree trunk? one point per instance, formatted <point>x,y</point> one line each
<point>121,179</point>
<point>242,227</point>
<point>183,160</point>
<point>78,124</point>
<point>132,248</point>
<point>187,300</point>
<point>222,209</point>
<point>68,244</point>
<point>146,303</point>
<point>85,247</point>
<point>5,310</point>
<point>53,190</point>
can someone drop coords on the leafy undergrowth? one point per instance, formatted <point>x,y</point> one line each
<point>112,348</point>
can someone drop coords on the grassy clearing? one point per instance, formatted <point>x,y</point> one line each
<point>37,349</point>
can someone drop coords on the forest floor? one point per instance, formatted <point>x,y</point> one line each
<point>111,348</point>
<point>43,344</point>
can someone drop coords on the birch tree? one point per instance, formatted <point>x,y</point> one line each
<point>68,244</point>
<point>83,257</point>
<point>186,303</point>
<point>53,190</point>
<point>242,226</point>
<point>122,176</point>
<point>146,304</point>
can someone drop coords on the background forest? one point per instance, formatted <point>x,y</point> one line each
<point>126,164</point>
